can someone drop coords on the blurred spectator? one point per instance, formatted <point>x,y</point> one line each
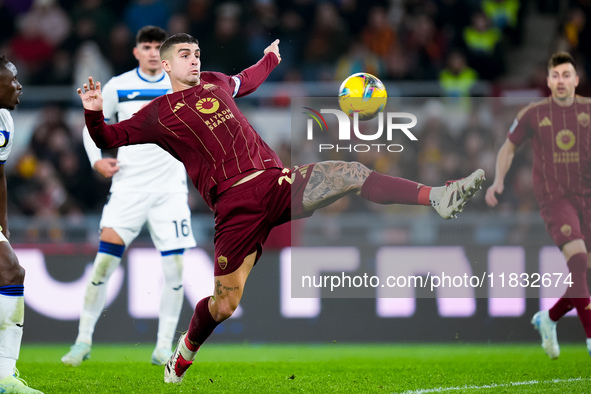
<point>199,13</point>
<point>502,13</point>
<point>53,177</point>
<point>226,49</point>
<point>140,13</point>
<point>358,59</point>
<point>85,29</point>
<point>427,46</point>
<point>51,21</point>
<point>377,35</point>
<point>457,78</point>
<point>261,27</point>
<point>483,45</point>
<point>7,27</point>
<point>89,61</point>
<point>121,43</point>
<point>178,23</point>
<point>102,16</point>
<point>327,40</point>
<point>30,52</point>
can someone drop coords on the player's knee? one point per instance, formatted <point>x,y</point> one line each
<point>225,309</point>
<point>103,269</point>
<point>12,273</point>
<point>358,173</point>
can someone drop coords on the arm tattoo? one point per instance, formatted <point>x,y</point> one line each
<point>331,180</point>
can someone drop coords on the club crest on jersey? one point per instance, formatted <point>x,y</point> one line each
<point>566,230</point>
<point>223,262</point>
<point>207,105</point>
<point>4,137</point>
<point>583,119</point>
<point>565,139</point>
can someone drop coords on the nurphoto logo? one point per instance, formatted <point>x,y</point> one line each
<point>393,124</point>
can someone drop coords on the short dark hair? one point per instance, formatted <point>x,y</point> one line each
<point>3,61</point>
<point>180,38</point>
<point>560,58</point>
<point>150,34</point>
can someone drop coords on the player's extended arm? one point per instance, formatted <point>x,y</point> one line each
<point>3,203</point>
<point>107,167</point>
<point>504,160</point>
<point>251,78</point>
<point>128,132</point>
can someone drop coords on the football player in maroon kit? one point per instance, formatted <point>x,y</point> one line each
<point>246,184</point>
<point>561,141</point>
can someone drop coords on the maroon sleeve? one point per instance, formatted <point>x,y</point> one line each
<point>135,130</point>
<point>251,78</point>
<point>520,129</point>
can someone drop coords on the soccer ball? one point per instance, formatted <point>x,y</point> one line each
<point>364,94</point>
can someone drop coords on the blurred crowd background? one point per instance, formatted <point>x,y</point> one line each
<point>452,44</point>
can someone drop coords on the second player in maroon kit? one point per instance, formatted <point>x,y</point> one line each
<point>560,130</point>
<point>561,142</point>
<point>247,186</point>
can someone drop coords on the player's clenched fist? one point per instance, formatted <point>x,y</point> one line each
<point>91,96</point>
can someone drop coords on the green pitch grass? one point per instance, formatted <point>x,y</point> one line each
<point>328,368</point>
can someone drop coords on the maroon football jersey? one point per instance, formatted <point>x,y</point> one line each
<point>561,142</point>
<point>200,126</point>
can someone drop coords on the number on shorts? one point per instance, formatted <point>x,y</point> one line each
<point>285,177</point>
<point>184,228</point>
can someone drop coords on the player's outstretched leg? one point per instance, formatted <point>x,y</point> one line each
<point>331,180</point>
<point>547,329</point>
<point>449,200</point>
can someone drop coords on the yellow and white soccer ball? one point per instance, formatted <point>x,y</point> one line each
<point>364,94</point>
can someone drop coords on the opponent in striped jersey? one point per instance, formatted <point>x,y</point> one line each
<point>559,127</point>
<point>149,186</point>
<point>12,275</point>
<point>201,125</point>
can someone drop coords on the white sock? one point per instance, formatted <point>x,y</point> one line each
<point>171,300</point>
<point>186,353</point>
<point>12,315</point>
<point>96,295</point>
<point>436,193</point>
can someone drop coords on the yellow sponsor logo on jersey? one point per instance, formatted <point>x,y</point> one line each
<point>565,139</point>
<point>219,118</point>
<point>178,106</point>
<point>545,122</point>
<point>207,105</point>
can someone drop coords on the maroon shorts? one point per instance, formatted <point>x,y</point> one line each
<point>567,219</point>
<point>245,214</point>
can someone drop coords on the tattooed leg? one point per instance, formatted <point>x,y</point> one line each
<point>331,180</point>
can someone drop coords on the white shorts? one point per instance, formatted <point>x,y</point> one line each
<point>168,217</point>
<point>2,237</point>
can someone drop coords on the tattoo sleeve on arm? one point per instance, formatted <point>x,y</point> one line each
<point>331,180</point>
